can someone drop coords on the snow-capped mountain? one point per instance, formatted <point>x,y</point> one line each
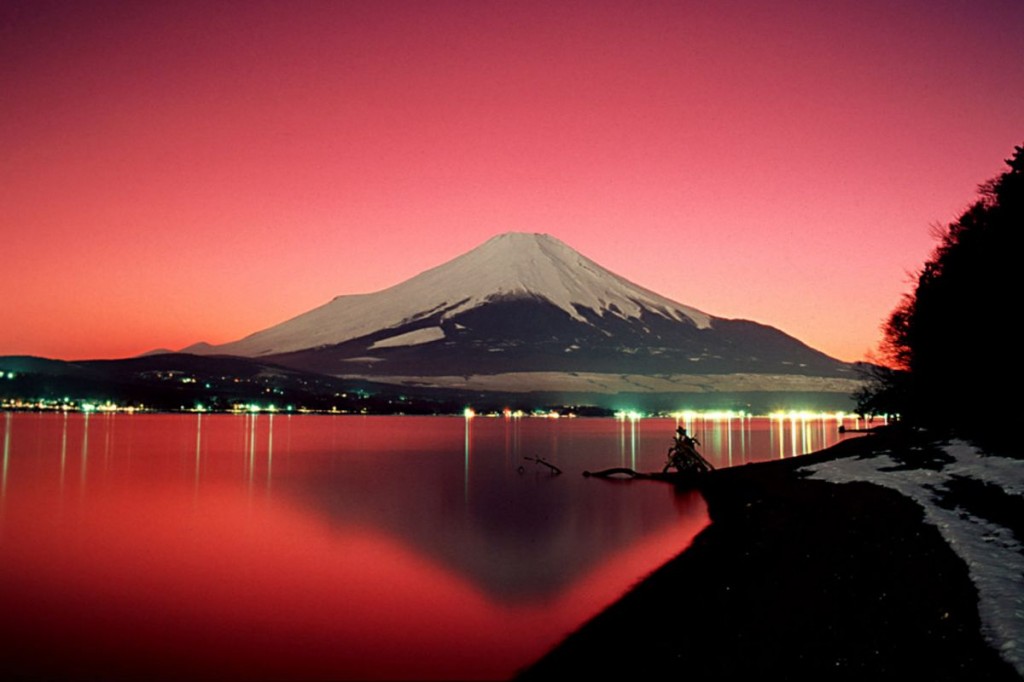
<point>525,306</point>
<point>509,266</point>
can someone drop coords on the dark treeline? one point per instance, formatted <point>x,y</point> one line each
<point>951,344</point>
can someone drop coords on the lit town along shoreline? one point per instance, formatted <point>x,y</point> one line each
<point>560,412</point>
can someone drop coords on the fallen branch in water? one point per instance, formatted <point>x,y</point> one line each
<point>605,473</point>
<point>687,478</point>
<point>549,465</point>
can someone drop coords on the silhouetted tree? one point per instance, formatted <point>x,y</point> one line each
<point>951,343</point>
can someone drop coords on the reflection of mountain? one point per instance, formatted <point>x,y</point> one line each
<point>520,537</point>
<point>527,312</point>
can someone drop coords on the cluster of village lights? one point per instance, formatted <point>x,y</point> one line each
<point>68,405</point>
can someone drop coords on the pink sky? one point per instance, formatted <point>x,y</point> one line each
<point>176,172</point>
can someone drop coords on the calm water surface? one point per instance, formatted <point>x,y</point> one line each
<point>273,546</point>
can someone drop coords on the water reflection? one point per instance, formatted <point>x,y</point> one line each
<point>84,462</point>
<point>7,456</point>
<point>270,450</point>
<point>199,445</point>
<point>465,471</point>
<point>520,536</point>
<point>63,449</point>
<point>730,439</point>
<point>256,543</point>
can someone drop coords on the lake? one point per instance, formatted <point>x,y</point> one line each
<point>331,547</point>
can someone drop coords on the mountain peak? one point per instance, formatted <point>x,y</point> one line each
<point>530,250</point>
<point>524,241</point>
<point>521,264</point>
<point>521,237</point>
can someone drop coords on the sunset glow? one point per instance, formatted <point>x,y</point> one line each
<point>193,171</point>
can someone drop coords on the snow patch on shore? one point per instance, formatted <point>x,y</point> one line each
<point>994,556</point>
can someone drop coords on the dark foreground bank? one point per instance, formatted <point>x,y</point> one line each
<point>794,579</point>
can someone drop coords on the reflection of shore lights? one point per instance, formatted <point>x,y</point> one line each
<point>468,413</point>
<point>807,415</point>
<point>690,415</point>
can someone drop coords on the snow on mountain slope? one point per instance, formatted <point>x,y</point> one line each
<point>511,265</point>
<point>413,338</point>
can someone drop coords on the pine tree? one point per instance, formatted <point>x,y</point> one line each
<point>952,339</point>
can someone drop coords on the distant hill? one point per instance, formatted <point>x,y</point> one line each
<point>174,381</point>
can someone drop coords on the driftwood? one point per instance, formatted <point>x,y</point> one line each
<point>709,465</point>
<point>684,458</point>
<point>629,474</point>
<point>689,466</point>
<point>549,465</point>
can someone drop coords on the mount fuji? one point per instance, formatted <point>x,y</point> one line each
<point>525,312</point>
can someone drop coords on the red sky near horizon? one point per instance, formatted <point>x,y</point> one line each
<point>177,172</point>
